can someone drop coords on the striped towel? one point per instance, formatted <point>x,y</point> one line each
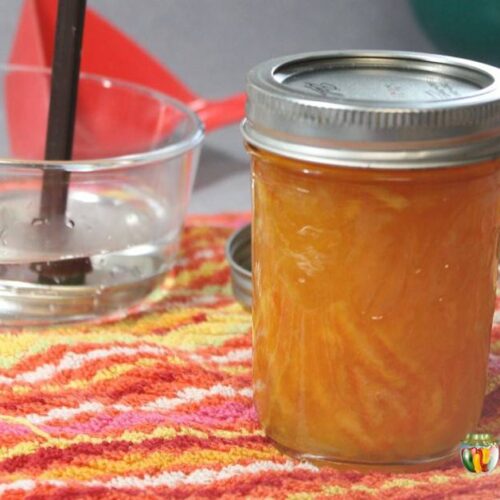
<point>160,404</point>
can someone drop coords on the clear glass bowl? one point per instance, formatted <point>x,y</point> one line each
<point>135,156</point>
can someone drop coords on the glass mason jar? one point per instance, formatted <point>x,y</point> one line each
<point>376,182</point>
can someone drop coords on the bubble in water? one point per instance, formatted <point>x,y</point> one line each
<point>70,223</point>
<point>117,270</point>
<point>39,221</point>
<point>132,219</point>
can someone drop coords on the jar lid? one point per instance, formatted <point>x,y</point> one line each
<point>239,256</point>
<point>375,109</point>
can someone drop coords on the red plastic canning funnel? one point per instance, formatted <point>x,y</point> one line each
<point>110,52</point>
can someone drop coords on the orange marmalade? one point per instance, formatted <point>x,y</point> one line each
<point>376,188</point>
<point>373,300</point>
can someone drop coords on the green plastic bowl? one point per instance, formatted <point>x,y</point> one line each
<point>464,28</point>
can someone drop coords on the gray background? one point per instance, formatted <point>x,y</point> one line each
<point>211,44</point>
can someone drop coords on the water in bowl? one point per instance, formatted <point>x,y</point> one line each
<point>126,239</point>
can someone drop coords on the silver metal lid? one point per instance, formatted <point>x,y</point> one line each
<point>239,255</point>
<point>375,109</point>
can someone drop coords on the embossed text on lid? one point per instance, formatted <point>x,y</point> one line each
<point>377,80</point>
